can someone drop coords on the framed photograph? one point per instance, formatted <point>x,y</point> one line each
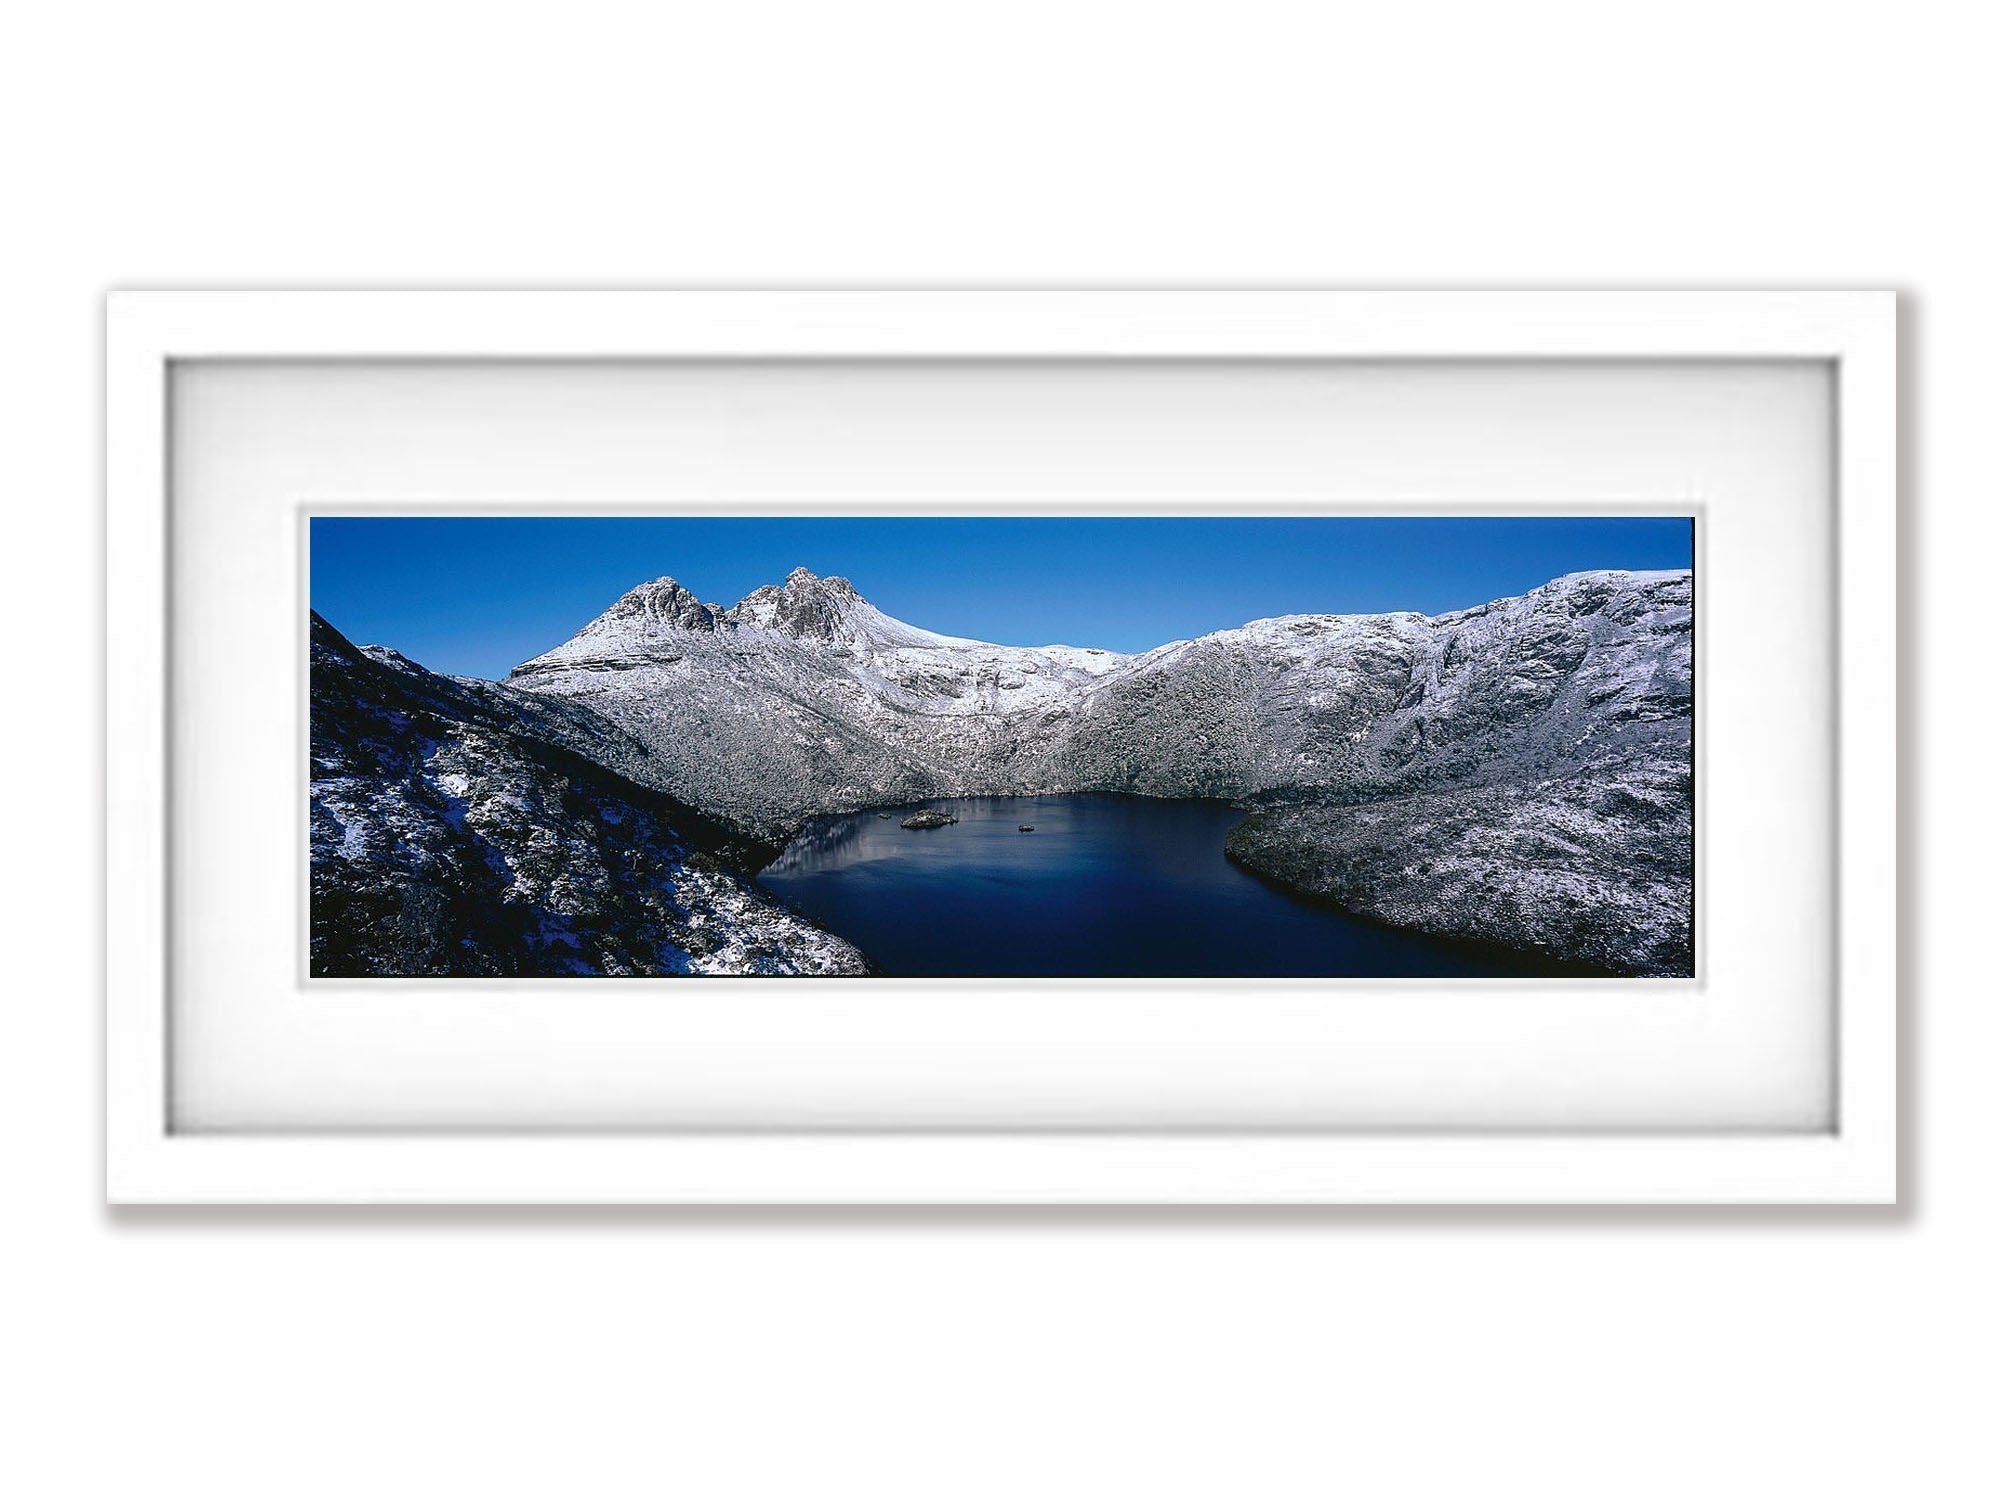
<point>1002,747</point>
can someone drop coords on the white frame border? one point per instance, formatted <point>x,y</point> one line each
<point>147,331</point>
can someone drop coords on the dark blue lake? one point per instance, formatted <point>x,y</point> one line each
<point>1104,886</point>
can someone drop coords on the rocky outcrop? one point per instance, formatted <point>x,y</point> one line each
<point>461,828</point>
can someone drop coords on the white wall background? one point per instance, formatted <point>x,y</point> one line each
<point>1450,1353</point>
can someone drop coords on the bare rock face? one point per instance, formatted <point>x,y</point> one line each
<point>664,603</point>
<point>808,607</point>
<point>805,699</point>
<point>460,828</point>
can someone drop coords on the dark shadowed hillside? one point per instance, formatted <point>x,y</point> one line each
<point>460,828</point>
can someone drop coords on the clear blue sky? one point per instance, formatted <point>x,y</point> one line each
<point>477,596</point>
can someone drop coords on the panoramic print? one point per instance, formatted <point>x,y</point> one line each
<point>1308,747</point>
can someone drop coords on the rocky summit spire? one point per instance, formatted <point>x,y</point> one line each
<point>664,602</point>
<point>651,619</point>
<point>807,607</point>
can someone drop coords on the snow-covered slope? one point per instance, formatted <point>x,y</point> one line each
<point>1355,705</point>
<point>804,699</point>
<point>459,828</point>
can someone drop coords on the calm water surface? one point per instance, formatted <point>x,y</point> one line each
<point>1104,886</point>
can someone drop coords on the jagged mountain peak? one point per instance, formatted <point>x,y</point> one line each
<point>809,606</point>
<point>806,581</point>
<point>802,584</point>
<point>665,602</point>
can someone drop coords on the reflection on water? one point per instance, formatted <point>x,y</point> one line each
<point>819,844</point>
<point>1104,886</point>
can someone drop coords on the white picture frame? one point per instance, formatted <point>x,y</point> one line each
<point>1851,1158</point>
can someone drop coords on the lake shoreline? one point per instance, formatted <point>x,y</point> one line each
<point>1110,884</point>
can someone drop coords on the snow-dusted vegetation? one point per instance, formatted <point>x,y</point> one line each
<point>462,829</point>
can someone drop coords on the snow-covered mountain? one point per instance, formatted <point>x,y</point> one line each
<point>460,828</point>
<point>1528,761</point>
<point>1520,772</point>
<point>805,699</point>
